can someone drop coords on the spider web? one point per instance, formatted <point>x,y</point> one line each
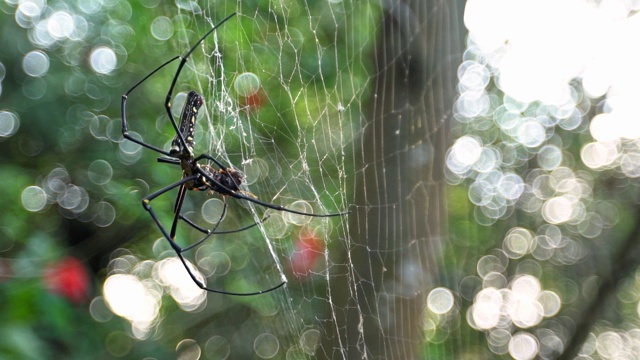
<point>324,128</point>
<point>289,139</point>
<point>353,111</point>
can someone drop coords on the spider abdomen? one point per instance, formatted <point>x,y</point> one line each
<point>187,126</point>
<point>229,180</point>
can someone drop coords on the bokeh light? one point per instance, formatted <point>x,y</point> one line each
<point>213,210</point>
<point>217,348</point>
<point>247,84</point>
<point>103,60</point>
<point>523,346</point>
<point>520,91</point>
<point>128,297</point>
<point>266,346</point>
<point>522,304</point>
<point>188,349</point>
<point>162,28</point>
<point>60,25</point>
<point>297,219</point>
<point>100,172</point>
<point>34,198</point>
<point>440,300</point>
<point>172,274</point>
<point>9,124</point>
<point>309,341</point>
<point>35,63</point>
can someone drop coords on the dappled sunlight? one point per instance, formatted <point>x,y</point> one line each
<point>134,290</point>
<point>171,274</point>
<point>127,296</point>
<point>532,72</point>
<point>522,304</point>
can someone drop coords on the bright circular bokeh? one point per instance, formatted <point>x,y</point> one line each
<point>103,60</point>
<point>188,349</point>
<point>247,84</point>
<point>213,210</point>
<point>34,198</point>
<point>440,300</point>
<point>35,63</point>
<point>162,28</point>
<point>266,346</point>
<point>298,219</point>
<point>9,123</point>
<point>100,172</point>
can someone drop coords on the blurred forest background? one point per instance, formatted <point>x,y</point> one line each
<point>488,153</point>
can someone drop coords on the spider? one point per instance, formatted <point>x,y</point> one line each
<point>197,171</point>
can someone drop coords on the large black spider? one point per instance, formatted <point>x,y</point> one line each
<point>195,175</point>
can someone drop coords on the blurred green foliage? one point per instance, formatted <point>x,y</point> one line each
<point>69,123</point>
<point>314,61</point>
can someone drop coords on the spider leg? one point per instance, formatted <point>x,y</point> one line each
<point>146,203</point>
<point>213,231</point>
<point>123,106</point>
<point>241,196</point>
<point>183,60</point>
<point>178,216</point>
<point>203,287</point>
<point>169,160</point>
<point>178,206</point>
<point>209,157</point>
<point>206,231</point>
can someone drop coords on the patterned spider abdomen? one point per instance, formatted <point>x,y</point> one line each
<point>230,180</point>
<point>187,126</point>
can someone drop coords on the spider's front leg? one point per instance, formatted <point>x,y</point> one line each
<point>125,96</point>
<point>123,109</point>
<point>181,137</point>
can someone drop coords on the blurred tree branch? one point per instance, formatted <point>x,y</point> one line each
<point>624,263</point>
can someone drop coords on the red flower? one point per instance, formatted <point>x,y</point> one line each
<point>308,250</point>
<point>253,101</point>
<point>68,278</point>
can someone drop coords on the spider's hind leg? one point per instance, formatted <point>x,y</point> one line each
<point>146,202</point>
<point>242,195</point>
<point>177,211</point>
<point>208,232</point>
